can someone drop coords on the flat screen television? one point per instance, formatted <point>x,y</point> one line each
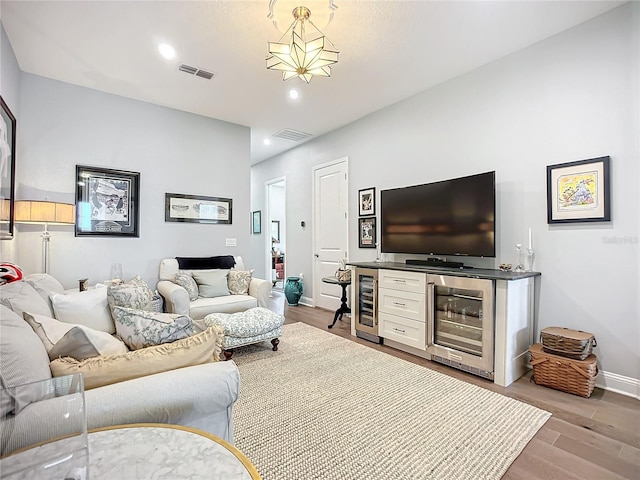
<point>450,217</point>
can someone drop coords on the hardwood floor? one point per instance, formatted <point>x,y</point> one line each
<point>595,439</point>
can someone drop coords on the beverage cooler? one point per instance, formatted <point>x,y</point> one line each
<point>366,306</point>
<point>460,326</point>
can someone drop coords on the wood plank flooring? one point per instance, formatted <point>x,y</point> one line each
<point>588,439</point>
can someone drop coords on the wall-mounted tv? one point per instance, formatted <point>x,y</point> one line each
<point>450,217</point>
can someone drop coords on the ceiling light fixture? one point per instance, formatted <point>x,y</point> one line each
<point>301,58</point>
<point>293,94</point>
<point>167,51</point>
<point>266,141</point>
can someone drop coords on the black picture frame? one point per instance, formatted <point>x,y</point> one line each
<point>256,222</point>
<point>579,191</point>
<point>367,232</point>
<point>367,201</point>
<point>107,202</point>
<point>179,207</point>
<point>7,170</point>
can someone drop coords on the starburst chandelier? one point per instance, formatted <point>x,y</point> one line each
<point>301,58</point>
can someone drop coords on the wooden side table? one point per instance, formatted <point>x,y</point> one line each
<point>344,308</point>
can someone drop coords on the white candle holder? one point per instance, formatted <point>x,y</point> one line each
<point>531,256</point>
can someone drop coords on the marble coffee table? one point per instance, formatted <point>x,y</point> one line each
<point>139,451</point>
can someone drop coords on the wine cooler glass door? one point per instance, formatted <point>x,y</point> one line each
<point>366,294</point>
<point>461,321</point>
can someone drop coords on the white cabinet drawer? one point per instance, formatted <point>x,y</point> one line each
<point>402,330</point>
<point>406,281</point>
<point>405,304</point>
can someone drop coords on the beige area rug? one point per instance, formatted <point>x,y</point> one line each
<point>323,407</point>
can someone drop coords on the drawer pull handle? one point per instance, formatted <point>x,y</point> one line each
<point>399,281</point>
<point>398,304</point>
<point>399,330</point>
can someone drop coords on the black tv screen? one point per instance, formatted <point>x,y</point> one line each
<point>451,217</point>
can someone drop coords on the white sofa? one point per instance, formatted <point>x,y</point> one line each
<point>176,298</point>
<point>199,396</point>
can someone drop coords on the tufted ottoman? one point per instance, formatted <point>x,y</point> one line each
<point>244,328</point>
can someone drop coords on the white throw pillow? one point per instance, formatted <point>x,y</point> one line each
<point>22,297</point>
<point>83,342</point>
<point>211,283</point>
<point>141,328</point>
<point>45,285</point>
<point>23,359</point>
<point>89,308</point>
<point>48,329</point>
<point>62,339</point>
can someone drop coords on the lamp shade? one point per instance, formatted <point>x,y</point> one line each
<point>5,210</point>
<point>53,213</point>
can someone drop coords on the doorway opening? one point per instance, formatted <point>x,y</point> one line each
<point>276,228</point>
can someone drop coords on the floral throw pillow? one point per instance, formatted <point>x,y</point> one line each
<point>187,282</point>
<point>238,281</point>
<point>140,328</point>
<point>133,294</point>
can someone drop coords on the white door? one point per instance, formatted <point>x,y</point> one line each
<point>331,195</point>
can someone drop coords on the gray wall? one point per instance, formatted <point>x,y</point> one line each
<point>62,125</point>
<point>571,97</point>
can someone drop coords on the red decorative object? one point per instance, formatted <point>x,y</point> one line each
<point>9,272</point>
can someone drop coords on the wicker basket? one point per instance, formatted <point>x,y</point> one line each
<point>157,304</point>
<point>566,374</point>
<point>574,344</point>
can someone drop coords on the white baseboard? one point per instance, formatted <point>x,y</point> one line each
<point>306,301</point>
<point>619,384</point>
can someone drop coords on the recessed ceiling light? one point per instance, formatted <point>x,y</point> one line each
<point>266,141</point>
<point>293,94</point>
<point>167,51</point>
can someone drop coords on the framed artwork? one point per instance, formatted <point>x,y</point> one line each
<point>7,170</point>
<point>579,191</point>
<point>256,222</point>
<point>107,202</point>
<point>367,232</point>
<point>197,209</point>
<point>367,201</point>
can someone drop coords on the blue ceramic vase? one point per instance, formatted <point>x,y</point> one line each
<point>293,290</point>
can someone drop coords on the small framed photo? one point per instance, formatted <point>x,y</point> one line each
<point>197,209</point>
<point>256,222</point>
<point>367,201</point>
<point>579,191</point>
<point>367,232</point>
<point>106,202</point>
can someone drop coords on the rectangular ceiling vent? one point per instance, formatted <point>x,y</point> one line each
<point>293,135</point>
<point>198,72</point>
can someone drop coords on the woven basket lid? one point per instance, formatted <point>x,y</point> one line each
<point>567,333</point>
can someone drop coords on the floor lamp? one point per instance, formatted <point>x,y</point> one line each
<point>47,213</point>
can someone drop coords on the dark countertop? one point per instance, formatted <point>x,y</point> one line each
<point>458,272</point>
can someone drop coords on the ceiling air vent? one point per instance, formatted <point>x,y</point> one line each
<point>293,135</point>
<point>204,74</point>
<point>195,71</point>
